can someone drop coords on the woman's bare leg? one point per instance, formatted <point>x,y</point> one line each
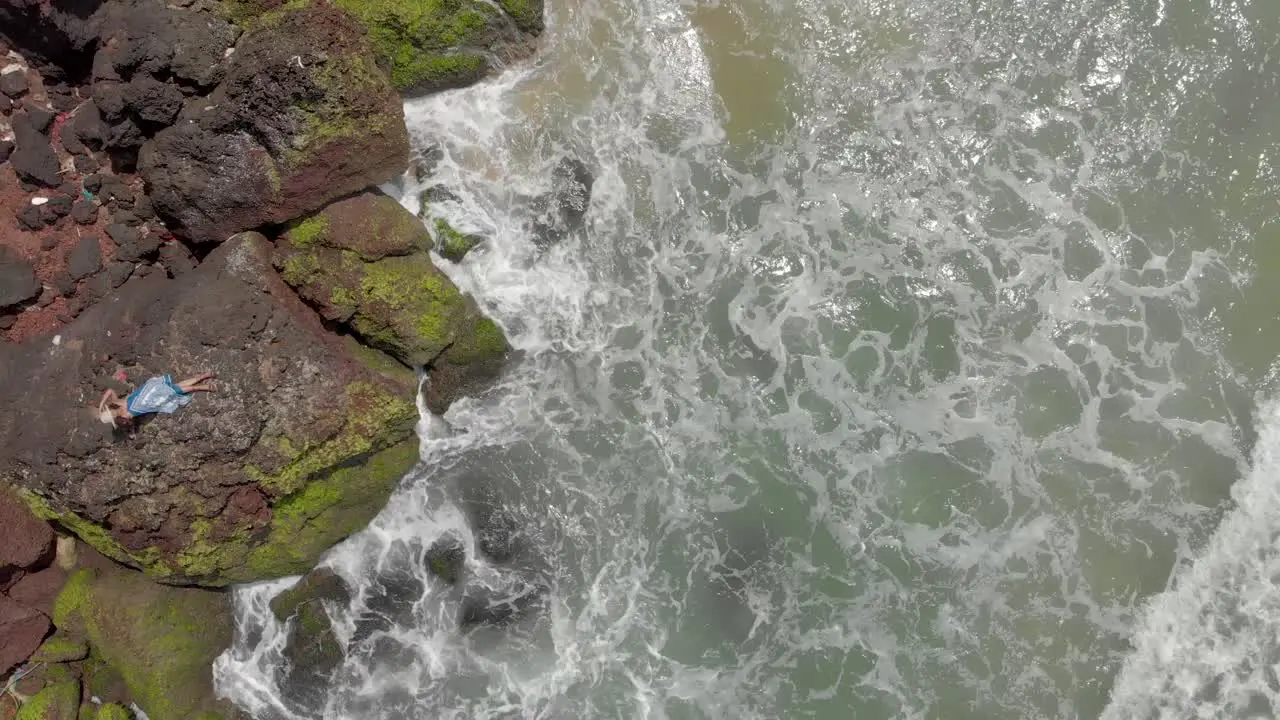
<point>199,383</point>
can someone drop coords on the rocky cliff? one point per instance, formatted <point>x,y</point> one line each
<point>191,187</point>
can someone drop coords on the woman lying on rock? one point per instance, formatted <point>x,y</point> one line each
<point>156,395</point>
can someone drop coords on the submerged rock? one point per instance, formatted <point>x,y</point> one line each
<point>563,210</point>
<point>312,648</point>
<point>454,245</point>
<point>484,605</point>
<point>446,559</point>
<point>161,640</point>
<point>300,446</point>
<point>427,47</point>
<point>304,116</point>
<point>363,262</point>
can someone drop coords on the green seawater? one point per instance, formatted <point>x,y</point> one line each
<point>911,351</point>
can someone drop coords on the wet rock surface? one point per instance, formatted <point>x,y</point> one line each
<point>312,649</point>
<point>363,262</point>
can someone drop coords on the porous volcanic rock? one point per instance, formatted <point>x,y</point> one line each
<point>304,116</point>
<point>300,446</point>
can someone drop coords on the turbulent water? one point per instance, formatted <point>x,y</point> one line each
<point>914,363</point>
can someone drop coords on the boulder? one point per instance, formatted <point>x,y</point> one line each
<point>563,210</point>
<point>428,47</point>
<point>33,158</point>
<point>13,83</point>
<point>300,446</point>
<point>27,541</point>
<point>22,629</point>
<point>84,259</point>
<point>304,116</point>
<point>312,648</point>
<point>162,640</point>
<point>362,262</point>
<point>57,701</point>
<point>446,559</point>
<point>453,245</point>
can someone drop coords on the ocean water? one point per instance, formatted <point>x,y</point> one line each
<point>915,361</point>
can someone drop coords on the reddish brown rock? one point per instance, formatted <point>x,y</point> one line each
<point>303,117</point>
<point>26,541</point>
<point>38,590</point>
<point>22,629</point>
<point>300,445</point>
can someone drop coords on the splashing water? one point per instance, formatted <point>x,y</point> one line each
<point>908,351</point>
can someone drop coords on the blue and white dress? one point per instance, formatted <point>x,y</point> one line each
<point>157,395</point>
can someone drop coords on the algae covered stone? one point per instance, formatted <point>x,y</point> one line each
<point>162,640</point>
<point>61,648</point>
<point>363,262</point>
<point>312,649</point>
<point>301,445</point>
<point>454,245</point>
<point>113,712</point>
<point>58,701</point>
<point>430,45</point>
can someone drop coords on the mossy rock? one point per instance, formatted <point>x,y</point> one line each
<point>57,701</point>
<point>114,712</point>
<point>363,262</point>
<point>321,584</point>
<point>431,45</point>
<point>312,649</point>
<point>300,447</point>
<point>61,648</point>
<point>454,245</point>
<point>446,559</point>
<point>162,640</point>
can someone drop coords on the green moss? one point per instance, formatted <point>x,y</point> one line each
<point>59,701</point>
<point>161,640</point>
<point>149,559</point>
<point>300,268</point>
<point>418,40</point>
<point>73,596</point>
<point>454,245</point>
<point>373,415</point>
<point>114,712</point>
<point>417,295</point>
<point>327,491</point>
<point>343,299</point>
<point>59,649</point>
<point>305,233</point>
<point>409,70</point>
<point>527,14</point>
<point>328,509</point>
<point>348,81</point>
